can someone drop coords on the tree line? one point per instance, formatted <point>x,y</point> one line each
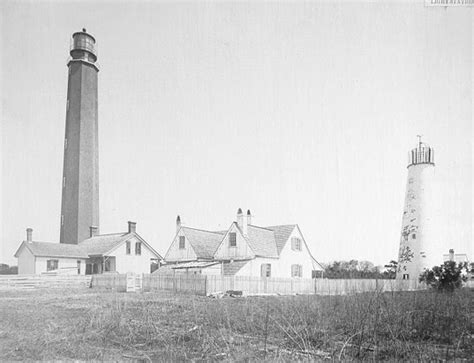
<point>355,269</point>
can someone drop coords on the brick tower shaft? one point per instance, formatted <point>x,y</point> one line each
<point>80,187</point>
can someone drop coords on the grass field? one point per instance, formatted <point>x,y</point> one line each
<point>104,325</point>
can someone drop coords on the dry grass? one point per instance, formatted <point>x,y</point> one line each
<point>99,325</point>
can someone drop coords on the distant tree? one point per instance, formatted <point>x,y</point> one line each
<point>391,269</point>
<point>8,270</point>
<point>448,276</point>
<point>352,269</point>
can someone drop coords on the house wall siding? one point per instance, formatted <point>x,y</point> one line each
<point>241,250</point>
<point>42,264</point>
<point>290,257</point>
<point>132,263</point>
<point>253,267</point>
<point>177,254</point>
<point>26,262</point>
<point>281,267</point>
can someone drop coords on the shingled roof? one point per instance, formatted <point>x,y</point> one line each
<point>101,244</point>
<point>282,233</point>
<point>204,243</point>
<point>262,241</point>
<point>48,249</point>
<point>95,246</point>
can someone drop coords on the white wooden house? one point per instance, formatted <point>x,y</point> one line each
<point>243,250</point>
<point>117,252</point>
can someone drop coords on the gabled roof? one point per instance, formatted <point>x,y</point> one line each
<point>99,245</point>
<point>231,268</point>
<point>48,249</point>
<point>204,243</point>
<point>262,241</point>
<point>282,233</point>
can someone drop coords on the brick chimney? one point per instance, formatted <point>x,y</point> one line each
<point>93,230</point>
<point>132,227</point>
<point>178,223</point>
<point>29,235</point>
<point>240,218</point>
<point>451,255</point>
<point>249,217</point>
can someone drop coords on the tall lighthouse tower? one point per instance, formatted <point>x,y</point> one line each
<point>80,187</point>
<point>419,242</point>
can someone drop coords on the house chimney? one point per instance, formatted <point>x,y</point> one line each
<point>249,217</point>
<point>93,231</point>
<point>29,234</point>
<point>178,223</point>
<point>451,255</point>
<point>240,218</point>
<point>132,227</point>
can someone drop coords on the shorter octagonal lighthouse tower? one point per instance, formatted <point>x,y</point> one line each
<point>419,243</point>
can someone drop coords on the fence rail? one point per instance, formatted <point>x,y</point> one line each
<point>15,282</point>
<point>211,284</point>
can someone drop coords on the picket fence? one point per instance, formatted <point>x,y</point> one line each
<point>215,284</point>
<point>22,282</point>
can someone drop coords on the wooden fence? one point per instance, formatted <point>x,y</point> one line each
<point>351,286</point>
<point>195,284</point>
<point>16,282</point>
<point>211,284</point>
<point>258,285</point>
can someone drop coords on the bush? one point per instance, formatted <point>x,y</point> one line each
<point>448,276</point>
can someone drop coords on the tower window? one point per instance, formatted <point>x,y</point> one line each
<point>62,219</point>
<point>64,181</point>
<point>232,239</point>
<point>65,144</point>
<point>413,235</point>
<point>182,242</point>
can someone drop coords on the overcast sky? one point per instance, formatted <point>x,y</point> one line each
<point>302,112</point>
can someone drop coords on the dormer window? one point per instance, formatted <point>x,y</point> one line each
<point>182,242</point>
<point>296,244</point>
<point>232,239</point>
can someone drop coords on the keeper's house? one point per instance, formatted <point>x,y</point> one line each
<point>243,249</point>
<point>118,252</point>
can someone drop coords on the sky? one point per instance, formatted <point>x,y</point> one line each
<point>302,112</point>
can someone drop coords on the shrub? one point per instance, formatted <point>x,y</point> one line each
<point>448,276</point>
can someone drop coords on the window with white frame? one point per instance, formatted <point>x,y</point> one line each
<point>296,271</point>
<point>127,248</point>
<point>296,244</point>
<point>182,242</point>
<point>232,239</point>
<point>138,248</point>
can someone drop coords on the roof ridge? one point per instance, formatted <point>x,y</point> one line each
<point>53,243</point>
<point>202,230</point>
<point>282,225</point>
<point>265,228</point>
<point>108,234</point>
